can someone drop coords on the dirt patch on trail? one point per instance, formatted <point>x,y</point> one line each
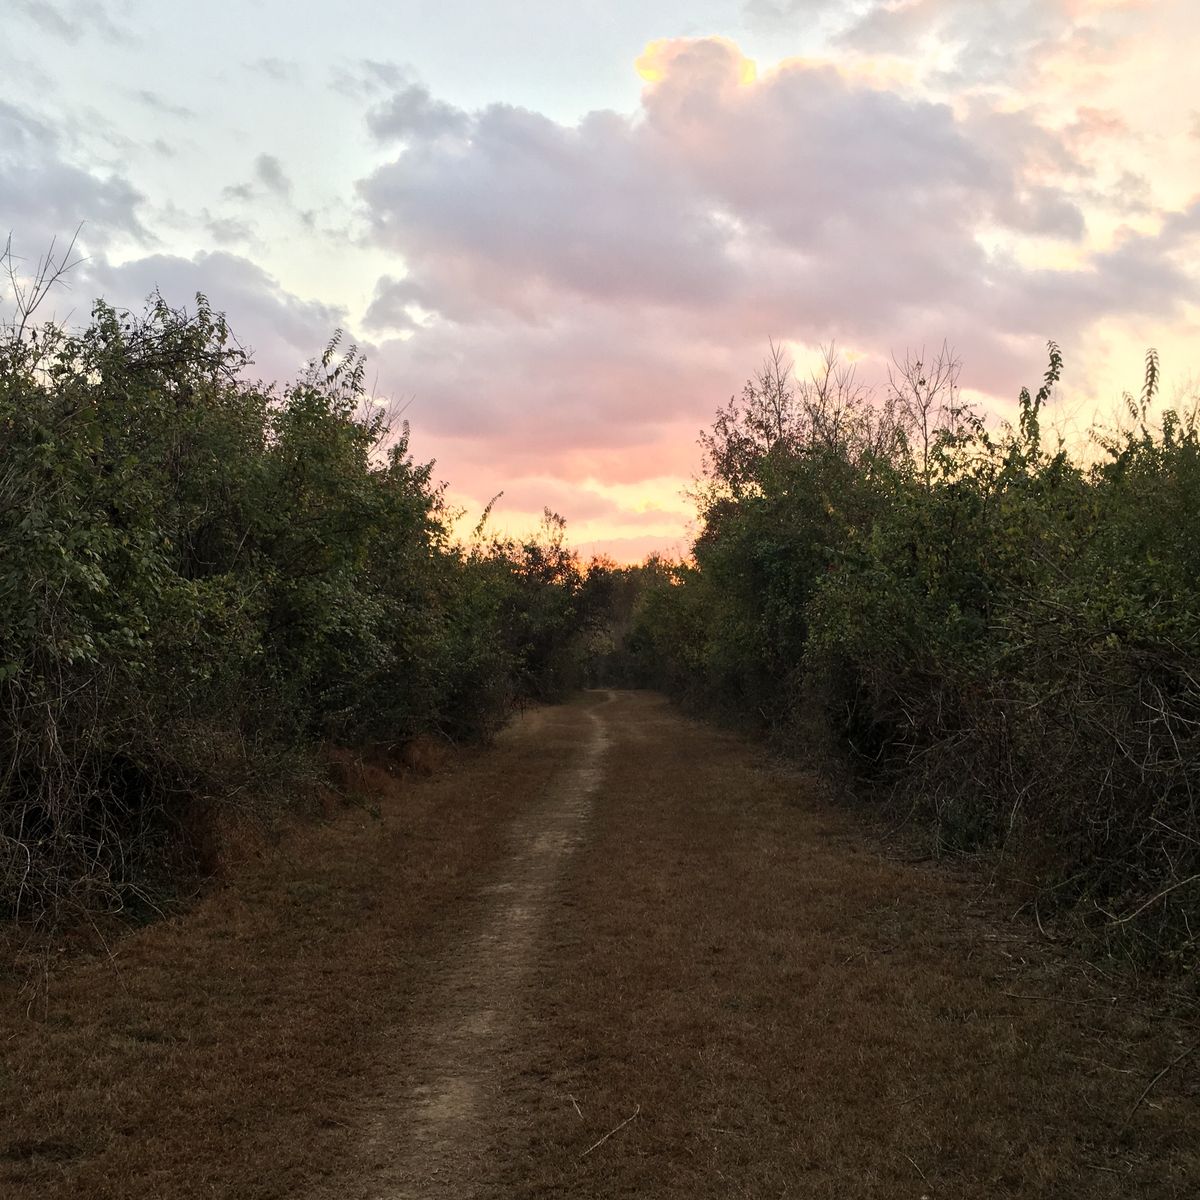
<point>462,1039</point>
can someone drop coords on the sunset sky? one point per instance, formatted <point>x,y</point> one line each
<point>564,232</point>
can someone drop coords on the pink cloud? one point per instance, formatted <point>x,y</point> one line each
<point>635,549</point>
<point>598,290</point>
<point>571,302</point>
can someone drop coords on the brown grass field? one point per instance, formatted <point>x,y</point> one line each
<point>618,954</point>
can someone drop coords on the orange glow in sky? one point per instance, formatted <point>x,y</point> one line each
<point>563,256</point>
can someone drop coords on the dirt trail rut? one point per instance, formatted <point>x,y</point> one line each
<point>462,1039</point>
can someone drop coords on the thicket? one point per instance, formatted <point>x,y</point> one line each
<point>1001,637</point>
<point>203,579</point>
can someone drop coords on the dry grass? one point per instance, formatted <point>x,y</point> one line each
<point>798,1014</point>
<point>788,1010</point>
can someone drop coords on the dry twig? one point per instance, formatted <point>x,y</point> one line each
<point>1150,1086</point>
<point>609,1134</point>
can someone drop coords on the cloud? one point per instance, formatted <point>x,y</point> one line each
<point>586,295</point>
<point>528,495</point>
<point>227,230</point>
<point>389,307</point>
<point>368,77</point>
<point>636,548</point>
<point>45,195</point>
<point>412,112</point>
<point>70,22</point>
<point>278,70</point>
<point>802,197</point>
<point>281,330</point>
<point>963,42</point>
<point>269,177</point>
<point>1141,275</point>
<point>560,384</point>
<point>160,104</point>
<point>775,15</point>
<point>596,391</point>
<point>268,170</point>
<point>525,207</point>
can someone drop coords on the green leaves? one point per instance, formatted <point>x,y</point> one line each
<point>189,559</point>
<point>1004,638</point>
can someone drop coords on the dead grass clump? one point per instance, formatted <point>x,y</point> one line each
<point>424,755</point>
<point>232,837</point>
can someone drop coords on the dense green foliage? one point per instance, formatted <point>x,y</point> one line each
<point>1003,639</point>
<point>201,579</point>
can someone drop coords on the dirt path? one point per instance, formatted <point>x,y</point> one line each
<point>618,954</point>
<point>466,1029</point>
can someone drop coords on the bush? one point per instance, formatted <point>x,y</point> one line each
<point>1003,639</point>
<point>200,577</point>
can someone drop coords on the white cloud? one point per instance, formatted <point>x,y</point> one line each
<point>44,195</point>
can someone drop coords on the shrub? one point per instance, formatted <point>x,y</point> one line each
<point>1003,639</point>
<point>201,576</point>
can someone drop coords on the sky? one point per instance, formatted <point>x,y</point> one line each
<point>565,233</point>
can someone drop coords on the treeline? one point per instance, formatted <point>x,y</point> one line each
<point>203,580</point>
<point>1001,638</point>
